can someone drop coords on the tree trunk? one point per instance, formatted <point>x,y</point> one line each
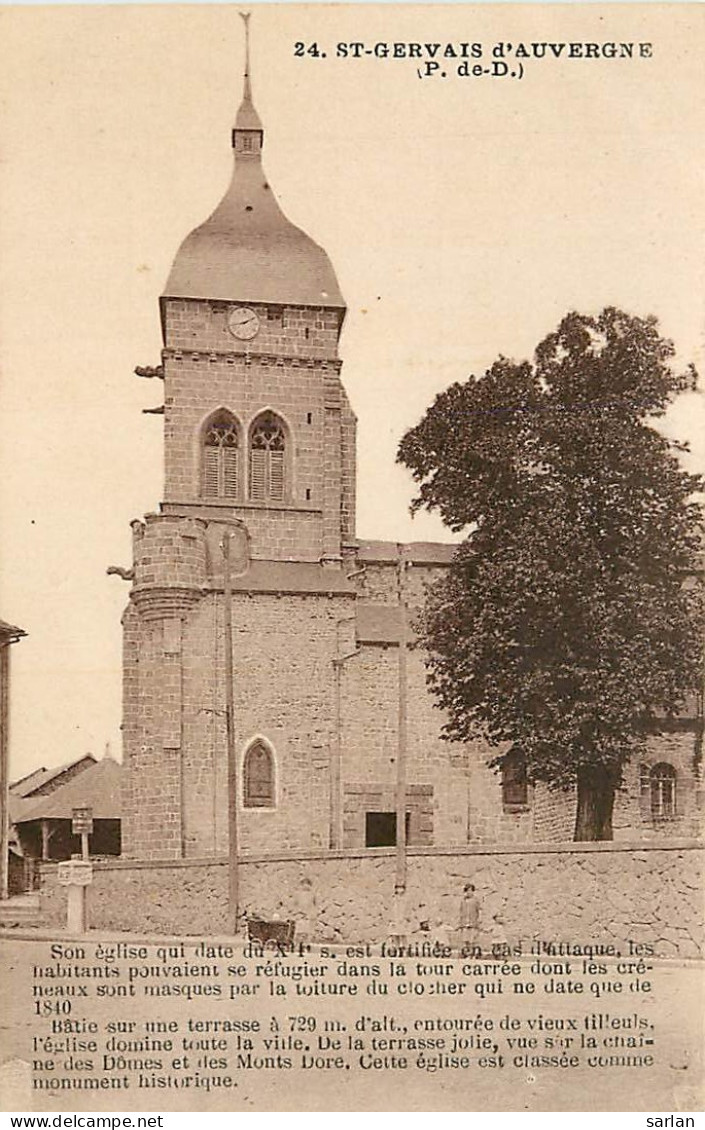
<point>596,790</point>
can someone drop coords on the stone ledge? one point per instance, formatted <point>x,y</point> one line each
<point>200,508</point>
<point>565,848</point>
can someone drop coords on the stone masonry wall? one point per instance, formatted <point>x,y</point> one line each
<point>152,785</point>
<point>283,673</point>
<point>297,331</point>
<point>568,892</point>
<point>348,439</point>
<point>467,795</point>
<point>369,727</point>
<point>291,368</point>
<point>285,693</point>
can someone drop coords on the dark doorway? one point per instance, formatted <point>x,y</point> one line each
<point>381,829</point>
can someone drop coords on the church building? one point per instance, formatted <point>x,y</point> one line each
<point>260,449</point>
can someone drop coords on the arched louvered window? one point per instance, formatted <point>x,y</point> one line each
<point>515,785</point>
<point>663,791</point>
<point>258,777</point>
<point>221,457</point>
<point>268,459</point>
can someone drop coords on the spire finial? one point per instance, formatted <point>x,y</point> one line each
<point>247,90</point>
<point>248,134</point>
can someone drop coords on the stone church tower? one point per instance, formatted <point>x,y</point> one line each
<point>257,424</point>
<point>259,443</point>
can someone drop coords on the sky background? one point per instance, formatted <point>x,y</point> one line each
<point>464,217</point>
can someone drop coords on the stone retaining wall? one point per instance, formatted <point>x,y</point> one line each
<point>562,892</point>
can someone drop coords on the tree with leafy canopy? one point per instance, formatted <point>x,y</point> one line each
<point>568,622</point>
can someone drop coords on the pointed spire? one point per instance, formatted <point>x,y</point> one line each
<point>247,250</point>
<point>247,91</point>
<point>248,132</point>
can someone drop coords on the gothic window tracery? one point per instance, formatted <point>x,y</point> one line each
<point>221,457</point>
<point>258,777</point>
<point>268,459</point>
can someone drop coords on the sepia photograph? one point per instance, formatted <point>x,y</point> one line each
<point>353,472</point>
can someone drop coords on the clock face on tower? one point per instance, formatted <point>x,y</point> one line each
<point>243,323</point>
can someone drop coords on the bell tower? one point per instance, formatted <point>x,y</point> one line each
<point>257,424</point>
<point>259,446</point>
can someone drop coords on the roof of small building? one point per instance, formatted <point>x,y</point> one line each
<point>416,552</point>
<point>25,784</point>
<point>98,788</point>
<point>292,577</point>
<point>38,778</point>
<point>381,623</point>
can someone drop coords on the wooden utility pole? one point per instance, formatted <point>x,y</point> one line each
<point>4,768</point>
<point>233,876</point>
<point>8,636</point>
<point>400,876</point>
<point>334,839</point>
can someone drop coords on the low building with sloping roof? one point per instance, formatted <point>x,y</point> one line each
<point>43,821</point>
<point>43,781</point>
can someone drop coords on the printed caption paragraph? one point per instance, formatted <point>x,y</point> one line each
<point>118,1016</point>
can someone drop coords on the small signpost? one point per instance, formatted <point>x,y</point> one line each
<point>77,873</point>
<point>82,825</point>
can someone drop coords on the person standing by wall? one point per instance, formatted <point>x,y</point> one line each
<point>305,911</point>
<point>469,922</point>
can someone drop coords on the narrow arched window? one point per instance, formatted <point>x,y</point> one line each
<point>221,455</point>
<point>258,777</point>
<point>663,791</point>
<point>515,784</point>
<point>268,459</point>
